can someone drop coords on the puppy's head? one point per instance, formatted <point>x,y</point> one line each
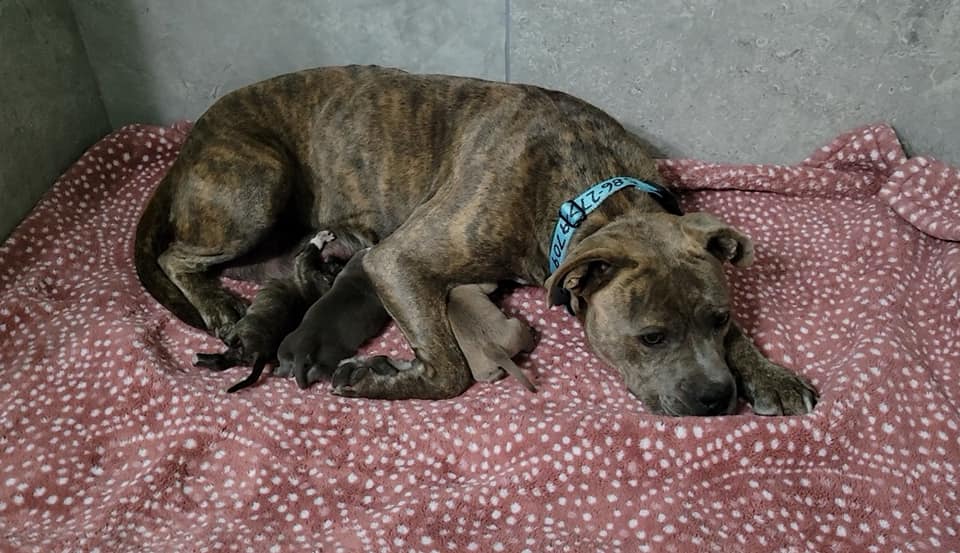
<point>655,305</point>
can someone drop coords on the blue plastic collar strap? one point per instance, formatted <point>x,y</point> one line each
<point>573,212</point>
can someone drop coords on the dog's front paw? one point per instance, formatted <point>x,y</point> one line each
<point>371,377</point>
<point>775,390</point>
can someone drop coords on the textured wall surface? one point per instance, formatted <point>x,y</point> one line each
<point>162,61</point>
<point>50,110</point>
<point>734,81</point>
<point>751,80</point>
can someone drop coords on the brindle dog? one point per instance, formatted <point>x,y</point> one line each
<point>458,181</point>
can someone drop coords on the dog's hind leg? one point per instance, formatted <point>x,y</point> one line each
<point>192,273</point>
<point>223,205</point>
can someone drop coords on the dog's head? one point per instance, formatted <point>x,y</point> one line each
<point>653,299</point>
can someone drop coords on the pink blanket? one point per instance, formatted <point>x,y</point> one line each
<point>112,442</point>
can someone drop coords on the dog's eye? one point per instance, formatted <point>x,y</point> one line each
<point>653,338</point>
<point>720,320</point>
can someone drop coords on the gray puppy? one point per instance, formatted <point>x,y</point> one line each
<point>334,327</point>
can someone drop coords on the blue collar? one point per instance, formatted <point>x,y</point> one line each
<point>573,212</point>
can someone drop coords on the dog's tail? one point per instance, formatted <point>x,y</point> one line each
<point>154,234</point>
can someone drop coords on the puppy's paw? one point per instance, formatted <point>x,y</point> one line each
<point>217,361</point>
<point>223,315</point>
<point>288,359</point>
<point>283,369</point>
<point>779,391</point>
<point>487,372</point>
<point>300,355</point>
<point>377,377</point>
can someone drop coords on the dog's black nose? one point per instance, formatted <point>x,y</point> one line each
<point>715,397</point>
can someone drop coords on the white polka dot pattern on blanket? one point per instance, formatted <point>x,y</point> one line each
<point>925,192</point>
<point>113,442</point>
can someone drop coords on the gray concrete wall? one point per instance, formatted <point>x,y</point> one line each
<point>162,61</point>
<point>751,80</point>
<point>50,109</point>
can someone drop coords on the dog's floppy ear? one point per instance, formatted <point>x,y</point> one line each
<point>581,275</point>
<point>720,239</point>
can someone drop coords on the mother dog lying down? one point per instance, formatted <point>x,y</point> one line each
<point>456,181</point>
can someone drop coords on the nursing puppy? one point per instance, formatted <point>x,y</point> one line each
<point>350,313</point>
<point>489,340</point>
<point>340,321</point>
<point>346,313</point>
<point>334,327</point>
<point>276,309</point>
